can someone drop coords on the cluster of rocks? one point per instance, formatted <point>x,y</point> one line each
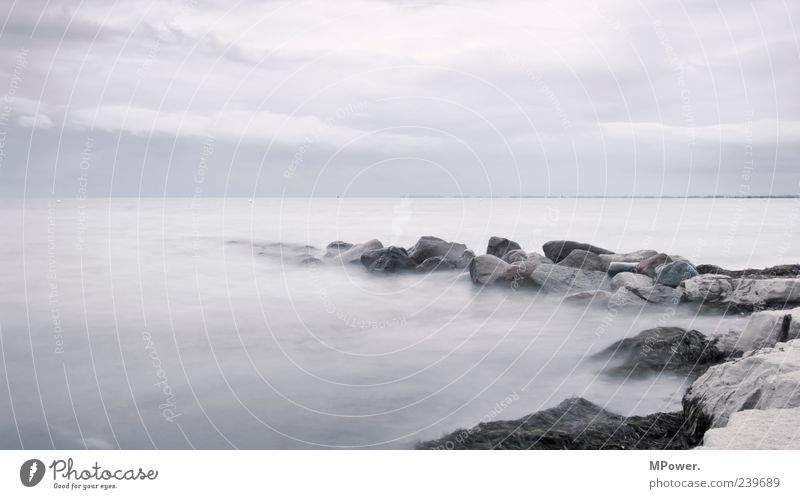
<point>747,400</point>
<point>752,375</point>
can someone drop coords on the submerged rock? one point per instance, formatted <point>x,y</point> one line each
<point>557,278</point>
<point>499,246</point>
<point>585,260</point>
<point>586,298</point>
<point>336,247</point>
<point>761,379</point>
<point>772,429</point>
<point>663,349</point>
<point>575,423</point>
<point>391,259</point>
<point>558,250</point>
<point>353,253</point>
<point>672,274</point>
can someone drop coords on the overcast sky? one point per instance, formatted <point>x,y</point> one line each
<point>390,98</point>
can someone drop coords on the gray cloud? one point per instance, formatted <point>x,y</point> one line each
<point>391,98</point>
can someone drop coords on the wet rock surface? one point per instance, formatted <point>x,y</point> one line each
<point>575,423</point>
<point>558,250</point>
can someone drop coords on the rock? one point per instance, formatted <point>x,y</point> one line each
<point>741,294</point>
<point>632,257</point>
<point>625,298</point>
<point>648,265</point>
<point>761,379</point>
<point>575,423</point>
<point>558,250</point>
<point>391,259</point>
<point>791,270</point>
<point>658,293</point>
<point>464,259</point>
<point>429,247</point>
<point>674,273</point>
<point>770,429</point>
<point>336,247</point>
<point>615,268</point>
<point>353,253</point>
<point>765,329</point>
<point>585,260</point>
<point>536,259</point>
<point>557,278</point>
<point>499,246</point>
<point>486,269</point>
<point>663,349</point>
<point>631,281</point>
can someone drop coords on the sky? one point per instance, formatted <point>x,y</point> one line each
<point>393,98</point>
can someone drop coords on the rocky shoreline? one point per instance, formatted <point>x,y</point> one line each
<point>744,378</point>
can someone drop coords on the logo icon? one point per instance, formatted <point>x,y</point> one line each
<point>31,472</point>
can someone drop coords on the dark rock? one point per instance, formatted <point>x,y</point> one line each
<point>558,250</point>
<point>664,349</point>
<point>585,260</point>
<point>575,423</point>
<point>429,247</point>
<point>648,265</point>
<point>486,269</point>
<point>353,253</point>
<point>499,246</point>
<point>391,259</point>
<point>673,274</point>
<point>436,263</point>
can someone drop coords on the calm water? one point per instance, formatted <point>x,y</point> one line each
<point>139,324</point>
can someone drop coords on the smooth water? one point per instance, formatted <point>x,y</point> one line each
<point>141,323</point>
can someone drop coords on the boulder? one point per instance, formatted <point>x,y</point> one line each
<point>486,269</point>
<point>336,247</point>
<point>768,429</point>
<point>558,250</point>
<point>575,423</point>
<point>536,259</point>
<point>557,278</point>
<point>632,257</point>
<point>663,349</point>
<point>741,294</point>
<point>391,259</point>
<point>615,268</point>
<point>631,281</point>
<point>674,273</point>
<point>648,265</point>
<point>765,329</point>
<point>499,246</point>
<point>585,260</point>
<point>761,379</point>
<point>429,247</point>
<point>624,298</point>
